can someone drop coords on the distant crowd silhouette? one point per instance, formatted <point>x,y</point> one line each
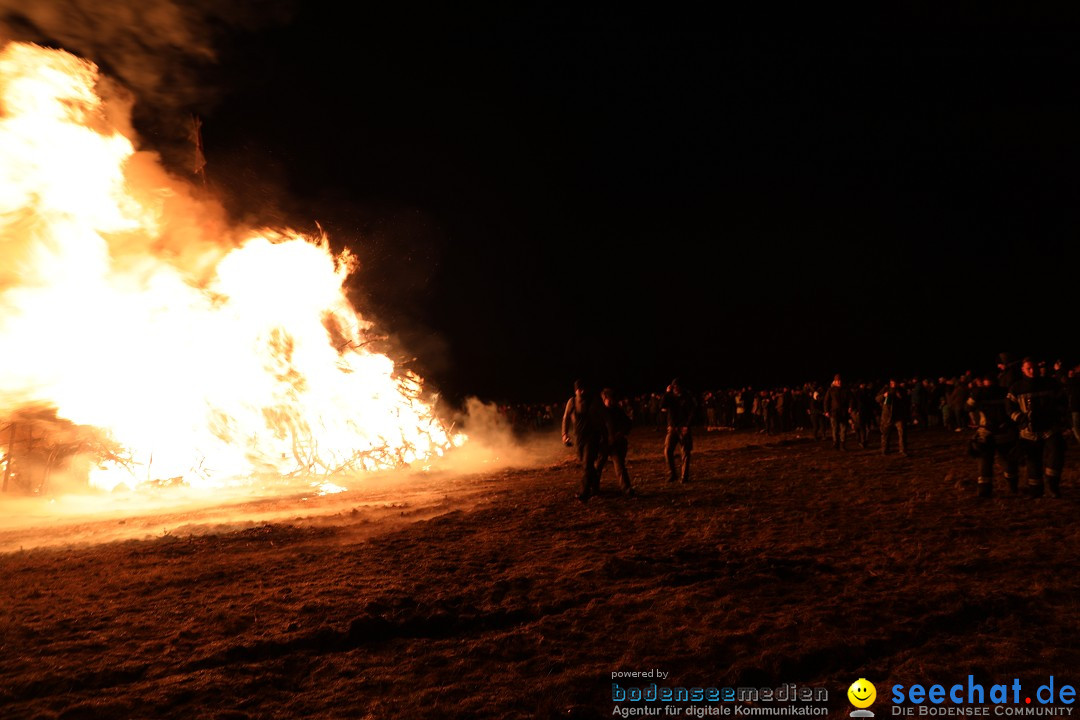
<point>1021,411</point>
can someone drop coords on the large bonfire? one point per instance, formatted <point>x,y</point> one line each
<point>143,337</point>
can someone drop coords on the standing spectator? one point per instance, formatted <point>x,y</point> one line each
<point>784,409</point>
<point>837,402</point>
<point>918,403</point>
<point>895,413</point>
<point>585,416</point>
<point>800,409</point>
<point>1037,405</point>
<point>930,394</point>
<point>996,435</point>
<point>678,407</point>
<point>727,409</point>
<point>958,407</point>
<point>771,417</point>
<point>864,398</point>
<point>1008,370</point>
<point>1059,372</point>
<point>711,403</point>
<point>741,399</point>
<point>817,409</point>
<point>654,410</point>
<point>940,402</point>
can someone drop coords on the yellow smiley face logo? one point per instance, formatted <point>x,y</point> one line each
<point>862,693</point>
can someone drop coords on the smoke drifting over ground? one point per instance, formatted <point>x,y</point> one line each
<point>493,444</point>
<point>161,51</point>
<point>68,513</point>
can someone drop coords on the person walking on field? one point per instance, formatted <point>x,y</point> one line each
<point>679,409</point>
<point>618,425</point>
<point>584,415</point>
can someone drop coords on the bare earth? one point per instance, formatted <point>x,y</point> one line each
<point>497,595</point>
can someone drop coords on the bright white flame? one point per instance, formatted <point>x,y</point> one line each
<point>127,305</point>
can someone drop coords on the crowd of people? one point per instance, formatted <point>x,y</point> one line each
<point>1021,412</point>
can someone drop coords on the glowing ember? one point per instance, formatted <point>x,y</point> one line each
<point>172,344</point>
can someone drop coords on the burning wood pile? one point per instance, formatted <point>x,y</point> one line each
<point>37,445</point>
<point>241,355</point>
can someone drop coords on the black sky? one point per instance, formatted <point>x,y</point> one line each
<point>537,194</point>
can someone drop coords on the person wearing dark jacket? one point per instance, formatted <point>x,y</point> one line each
<point>918,404</point>
<point>816,410</point>
<point>836,403</point>
<point>1037,405</point>
<point>679,409</point>
<point>895,413</point>
<point>862,413</point>
<point>939,402</point>
<point>584,415</point>
<point>618,425</point>
<point>1008,370</point>
<point>958,404</point>
<point>996,434</point>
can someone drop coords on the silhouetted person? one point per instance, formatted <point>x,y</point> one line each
<point>919,402</point>
<point>939,401</point>
<point>895,413</point>
<point>618,425</point>
<point>1008,370</point>
<point>742,412</point>
<point>584,414</point>
<point>996,435</point>
<point>784,407</point>
<point>1037,405</point>
<point>679,408</point>
<point>769,413</point>
<point>958,405</point>
<point>817,412</point>
<point>862,413</point>
<point>837,401</point>
<point>711,402</point>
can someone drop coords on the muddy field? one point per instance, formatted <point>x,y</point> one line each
<point>497,595</point>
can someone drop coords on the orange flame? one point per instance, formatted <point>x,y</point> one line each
<point>128,305</point>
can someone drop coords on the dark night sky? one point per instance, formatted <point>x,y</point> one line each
<point>538,194</point>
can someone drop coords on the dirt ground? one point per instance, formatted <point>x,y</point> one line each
<point>498,595</point>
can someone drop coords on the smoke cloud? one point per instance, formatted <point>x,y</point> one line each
<point>161,51</point>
